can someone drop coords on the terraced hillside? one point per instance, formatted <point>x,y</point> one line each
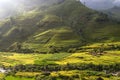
<point>59,26</point>
<point>59,40</point>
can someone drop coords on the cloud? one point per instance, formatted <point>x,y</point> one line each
<point>11,7</point>
<point>101,4</point>
<point>117,2</point>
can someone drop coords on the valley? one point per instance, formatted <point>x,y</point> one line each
<point>64,65</point>
<point>59,40</point>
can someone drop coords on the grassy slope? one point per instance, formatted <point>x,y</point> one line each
<point>61,25</point>
<point>80,18</point>
<point>61,36</point>
<point>58,27</point>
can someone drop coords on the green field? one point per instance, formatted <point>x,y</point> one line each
<point>109,57</point>
<point>17,78</point>
<point>12,59</point>
<point>59,40</point>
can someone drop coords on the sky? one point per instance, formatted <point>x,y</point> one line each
<point>101,4</point>
<point>12,7</point>
<point>8,7</point>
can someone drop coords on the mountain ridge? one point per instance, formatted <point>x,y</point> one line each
<point>57,28</point>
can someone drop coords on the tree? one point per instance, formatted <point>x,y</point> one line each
<point>18,46</point>
<point>100,78</point>
<point>53,49</point>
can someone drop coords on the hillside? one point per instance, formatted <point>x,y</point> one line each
<point>59,40</point>
<point>114,12</point>
<point>55,27</point>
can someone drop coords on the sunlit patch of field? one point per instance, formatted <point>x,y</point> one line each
<point>17,78</point>
<point>81,75</point>
<point>84,75</point>
<point>105,44</point>
<point>12,59</point>
<point>105,78</point>
<point>26,74</point>
<point>65,73</point>
<point>1,76</point>
<point>108,58</point>
<point>23,58</point>
<point>44,59</point>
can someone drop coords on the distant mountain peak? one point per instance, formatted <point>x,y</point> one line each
<point>116,7</point>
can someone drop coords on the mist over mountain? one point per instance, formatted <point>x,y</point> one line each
<point>59,40</point>
<point>16,7</point>
<point>101,4</point>
<point>113,12</point>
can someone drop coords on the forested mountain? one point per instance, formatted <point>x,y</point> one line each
<point>59,40</point>
<point>56,25</point>
<point>114,12</point>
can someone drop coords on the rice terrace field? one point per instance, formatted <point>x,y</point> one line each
<point>59,39</point>
<point>63,62</point>
<point>12,59</point>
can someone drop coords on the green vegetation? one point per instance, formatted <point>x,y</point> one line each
<point>60,41</point>
<point>57,28</point>
<point>65,65</point>
<point>1,76</point>
<point>17,78</point>
<point>12,59</point>
<point>80,65</point>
